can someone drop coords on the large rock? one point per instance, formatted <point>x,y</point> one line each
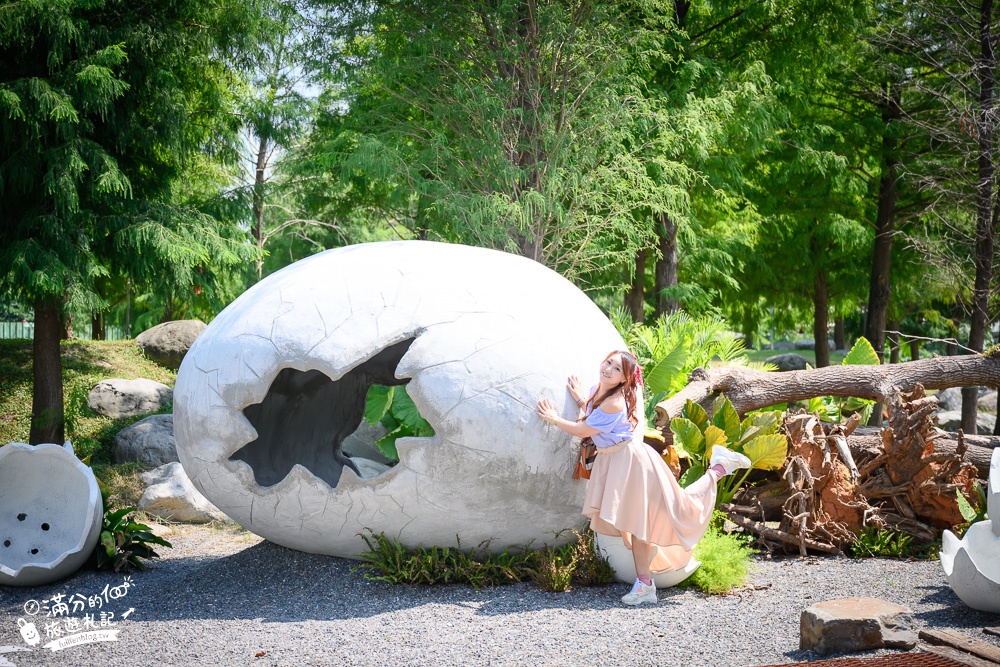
<point>810,344</point>
<point>952,421</point>
<point>949,399</point>
<point>782,345</point>
<point>269,391</point>
<point>988,402</point>
<point>361,443</point>
<point>150,442</point>
<point>127,398</point>
<point>170,495</point>
<point>788,362</point>
<point>167,343</point>
<point>856,624</point>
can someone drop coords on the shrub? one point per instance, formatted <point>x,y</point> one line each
<point>726,559</point>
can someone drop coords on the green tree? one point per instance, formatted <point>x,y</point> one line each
<point>955,70</point>
<point>100,102</point>
<point>516,124</point>
<point>276,111</point>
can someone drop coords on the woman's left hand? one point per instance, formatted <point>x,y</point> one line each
<point>547,411</point>
<point>575,388</point>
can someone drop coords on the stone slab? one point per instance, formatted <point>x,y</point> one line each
<point>856,624</point>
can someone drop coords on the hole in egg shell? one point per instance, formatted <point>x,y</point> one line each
<point>305,418</point>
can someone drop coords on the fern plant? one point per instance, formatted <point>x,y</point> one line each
<point>676,344</point>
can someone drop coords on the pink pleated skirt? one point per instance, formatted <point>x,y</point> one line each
<point>631,492</point>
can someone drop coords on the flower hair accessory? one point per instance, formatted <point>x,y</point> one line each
<point>638,375</point>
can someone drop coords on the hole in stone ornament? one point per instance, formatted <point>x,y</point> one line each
<point>45,526</point>
<point>22,516</point>
<point>6,543</point>
<point>310,420</point>
<point>34,551</point>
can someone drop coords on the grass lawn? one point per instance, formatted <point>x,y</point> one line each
<point>85,363</point>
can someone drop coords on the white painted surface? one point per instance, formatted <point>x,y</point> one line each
<point>49,503</point>
<point>972,564</point>
<point>620,559</point>
<point>494,333</point>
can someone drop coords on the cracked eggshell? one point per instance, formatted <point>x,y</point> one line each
<point>492,333</point>
<point>972,566</point>
<point>50,513</point>
<point>619,557</point>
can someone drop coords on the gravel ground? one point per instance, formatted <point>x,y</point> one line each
<point>224,597</point>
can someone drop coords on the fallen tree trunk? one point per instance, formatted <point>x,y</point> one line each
<point>750,389</point>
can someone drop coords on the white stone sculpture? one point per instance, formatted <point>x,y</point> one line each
<point>620,559</point>
<point>268,392</point>
<point>50,513</point>
<point>972,564</point>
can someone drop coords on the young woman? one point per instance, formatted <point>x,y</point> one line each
<point>631,491</point>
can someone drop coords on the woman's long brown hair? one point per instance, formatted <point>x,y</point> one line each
<point>633,379</point>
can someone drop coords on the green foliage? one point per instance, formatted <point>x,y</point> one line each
<point>881,544</point>
<point>756,437</point>
<point>530,131</point>
<point>835,408</point>
<point>673,346</point>
<point>551,568</point>
<point>726,559</point>
<point>85,363</point>
<point>394,408</point>
<point>971,513</point>
<point>123,541</point>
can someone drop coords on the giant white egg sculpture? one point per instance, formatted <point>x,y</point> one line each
<point>269,391</point>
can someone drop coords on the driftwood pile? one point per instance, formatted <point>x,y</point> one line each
<point>840,479</point>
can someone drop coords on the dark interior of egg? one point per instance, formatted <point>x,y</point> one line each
<point>305,418</point>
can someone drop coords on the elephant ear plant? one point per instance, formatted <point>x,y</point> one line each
<point>124,541</point>
<point>756,437</point>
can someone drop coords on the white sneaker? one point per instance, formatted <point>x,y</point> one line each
<point>728,459</point>
<point>640,593</point>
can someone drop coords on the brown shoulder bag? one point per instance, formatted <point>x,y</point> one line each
<point>585,461</point>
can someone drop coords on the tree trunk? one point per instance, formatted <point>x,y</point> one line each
<point>66,326</point>
<point>636,296</point>
<point>666,265</point>
<point>820,320</point>
<point>168,311</point>
<point>879,286</point>
<point>996,425</point>
<point>98,331</point>
<point>914,350</point>
<point>986,207</point>
<point>47,398</point>
<point>893,342</point>
<point>970,409</point>
<point>258,203</point>
<point>749,389</point>
<point>839,337</point>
